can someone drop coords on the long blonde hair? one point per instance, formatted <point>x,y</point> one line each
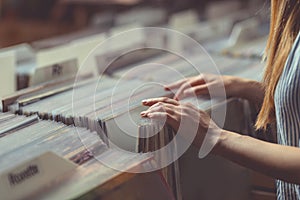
<point>284,28</point>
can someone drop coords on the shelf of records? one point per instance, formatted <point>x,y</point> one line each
<point>48,160</point>
<point>57,116</point>
<point>90,101</point>
<point>75,118</point>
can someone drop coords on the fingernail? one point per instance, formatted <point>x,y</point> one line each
<point>143,113</point>
<point>145,101</point>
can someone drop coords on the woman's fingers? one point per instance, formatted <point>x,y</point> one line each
<point>192,81</point>
<point>164,112</point>
<point>184,118</point>
<point>196,90</point>
<point>150,102</point>
<point>180,94</point>
<point>184,84</point>
<point>160,107</point>
<point>162,116</point>
<point>175,85</point>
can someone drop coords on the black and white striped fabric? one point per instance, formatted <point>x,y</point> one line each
<point>287,105</point>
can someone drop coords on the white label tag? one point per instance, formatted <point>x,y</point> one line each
<point>30,176</point>
<point>119,29</point>
<point>183,19</point>
<point>52,72</point>
<point>7,75</point>
<point>55,55</point>
<point>180,22</point>
<point>84,49</point>
<point>124,37</point>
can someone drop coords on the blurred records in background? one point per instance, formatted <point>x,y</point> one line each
<point>93,118</point>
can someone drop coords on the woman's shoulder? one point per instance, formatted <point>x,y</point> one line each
<point>294,56</point>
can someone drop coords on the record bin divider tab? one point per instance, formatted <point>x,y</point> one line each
<point>30,176</point>
<point>7,75</point>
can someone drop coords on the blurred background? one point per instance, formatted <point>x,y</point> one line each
<point>31,20</point>
<point>43,44</point>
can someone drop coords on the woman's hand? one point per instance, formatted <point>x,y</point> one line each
<point>184,118</point>
<point>201,84</point>
<point>204,83</point>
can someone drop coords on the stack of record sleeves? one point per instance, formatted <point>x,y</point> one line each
<point>26,138</point>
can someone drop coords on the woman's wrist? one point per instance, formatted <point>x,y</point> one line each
<point>246,89</point>
<point>225,140</point>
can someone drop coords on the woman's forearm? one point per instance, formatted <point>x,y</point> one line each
<point>281,162</point>
<point>247,89</point>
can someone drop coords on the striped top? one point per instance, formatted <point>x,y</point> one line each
<point>287,106</point>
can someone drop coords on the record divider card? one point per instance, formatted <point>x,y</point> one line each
<point>30,176</point>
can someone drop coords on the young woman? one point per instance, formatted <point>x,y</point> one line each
<point>278,96</point>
